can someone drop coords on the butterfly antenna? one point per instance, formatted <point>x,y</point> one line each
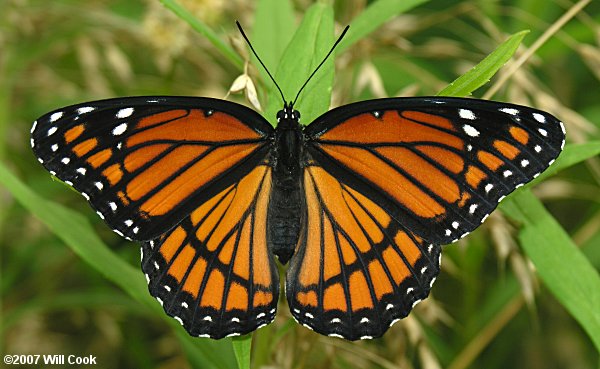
<point>261,63</point>
<point>323,62</point>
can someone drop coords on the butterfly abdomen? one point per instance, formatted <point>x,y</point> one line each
<point>286,202</point>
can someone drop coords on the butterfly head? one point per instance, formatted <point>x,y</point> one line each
<point>288,114</point>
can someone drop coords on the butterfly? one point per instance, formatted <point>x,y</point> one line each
<point>358,202</point>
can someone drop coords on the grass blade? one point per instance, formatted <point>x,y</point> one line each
<point>560,264</point>
<point>77,233</point>
<point>242,347</point>
<point>480,74</point>
<point>203,29</point>
<point>374,16</point>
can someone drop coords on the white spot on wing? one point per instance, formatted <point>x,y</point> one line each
<point>52,130</point>
<point>33,127</point>
<point>120,129</point>
<point>184,305</point>
<point>54,117</point>
<point>65,160</point>
<point>507,173</point>
<point>472,208</point>
<point>510,111</point>
<point>470,130</point>
<point>466,114</point>
<point>455,225</point>
<point>124,113</point>
<point>488,187</point>
<point>54,147</point>
<point>81,171</point>
<point>99,185</point>
<point>543,132</point>
<point>539,117</point>
<point>112,206</point>
<point>364,320</point>
<point>524,163</point>
<point>85,109</point>
<point>537,148</point>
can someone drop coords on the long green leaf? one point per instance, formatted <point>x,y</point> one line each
<point>480,74</point>
<point>242,347</point>
<point>81,238</point>
<point>310,44</point>
<point>560,264</point>
<point>271,34</point>
<point>374,16</point>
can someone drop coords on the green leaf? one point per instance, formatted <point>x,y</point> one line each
<point>203,29</point>
<point>77,233</point>
<point>480,74</point>
<point>310,44</point>
<point>560,264</point>
<point>374,16</point>
<point>271,34</point>
<point>242,347</point>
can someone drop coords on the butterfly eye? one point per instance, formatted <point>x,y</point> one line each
<point>280,115</point>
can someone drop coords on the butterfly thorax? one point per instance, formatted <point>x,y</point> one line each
<point>285,205</point>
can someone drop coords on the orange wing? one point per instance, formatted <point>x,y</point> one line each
<point>438,165</point>
<point>213,272</point>
<point>356,270</point>
<point>144,163</point>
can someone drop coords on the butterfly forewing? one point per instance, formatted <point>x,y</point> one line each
<point>144,163</point>
<point>439,166</point>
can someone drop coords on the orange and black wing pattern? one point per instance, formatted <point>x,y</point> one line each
<point>356,270</point>
<point>213,272</point>
<point>144,163</point>
<point>388,181</point>
<point>437,165</point>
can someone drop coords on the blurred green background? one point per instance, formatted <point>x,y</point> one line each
<point>521,291</point>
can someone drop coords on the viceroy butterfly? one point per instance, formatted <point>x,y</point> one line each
<point>359,201</point>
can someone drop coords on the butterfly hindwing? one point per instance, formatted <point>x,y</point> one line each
<point>213,271</point>
<point>356,270</point>
<point>437,165</point>
<point>144,163</point>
